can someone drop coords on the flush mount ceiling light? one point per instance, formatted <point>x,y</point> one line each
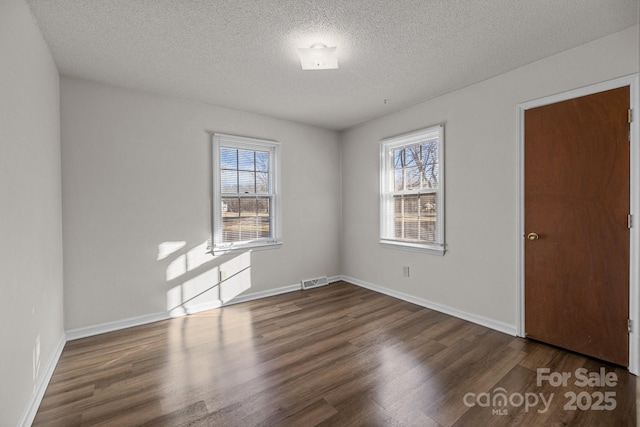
<point>318,57</point>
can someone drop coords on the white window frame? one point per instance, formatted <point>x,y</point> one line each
<point>387,190</point>
<point>219,247</point>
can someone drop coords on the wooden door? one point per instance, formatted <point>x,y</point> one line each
<point>576,229</point>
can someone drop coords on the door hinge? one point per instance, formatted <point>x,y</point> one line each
<point>629,221</point>
<point>630,115</point>
<point>629,324</point>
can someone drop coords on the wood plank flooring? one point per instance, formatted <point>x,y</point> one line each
<point>336,355</point>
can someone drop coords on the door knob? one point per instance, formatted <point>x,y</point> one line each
<point>533,236</point>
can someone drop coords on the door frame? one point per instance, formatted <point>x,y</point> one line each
<point>633,81</point>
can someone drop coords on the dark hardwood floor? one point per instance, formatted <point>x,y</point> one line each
<point>336,355</point>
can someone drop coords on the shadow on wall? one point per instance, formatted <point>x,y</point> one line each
<point>195,284</point>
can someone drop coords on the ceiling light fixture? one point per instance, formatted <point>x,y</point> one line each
<point>318,57</point>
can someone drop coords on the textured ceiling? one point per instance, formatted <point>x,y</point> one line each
<point>242,53</point>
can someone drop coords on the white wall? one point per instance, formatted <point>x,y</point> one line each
<point>31,305</point>
<point>137,173</point>
<point>478,273</point>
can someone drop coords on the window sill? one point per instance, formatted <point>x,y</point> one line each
<point>245,248</point>
<point>427,249</point>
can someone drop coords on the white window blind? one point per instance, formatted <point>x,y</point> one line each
<point>412,190</point>
<point>246,193</point>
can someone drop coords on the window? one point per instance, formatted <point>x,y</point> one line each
<point>246,194</point>
<point>412,190</point>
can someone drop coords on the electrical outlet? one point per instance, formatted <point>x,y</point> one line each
<point>405,271</point>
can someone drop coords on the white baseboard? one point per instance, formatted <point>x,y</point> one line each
<point>204,306</point>
<point>264,294</point>
<point>273,292</point>
<point>88,331</point>
<point>474,318</point>
<point>41,386</point>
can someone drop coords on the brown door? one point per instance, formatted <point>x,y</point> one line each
<point>576,230</point>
